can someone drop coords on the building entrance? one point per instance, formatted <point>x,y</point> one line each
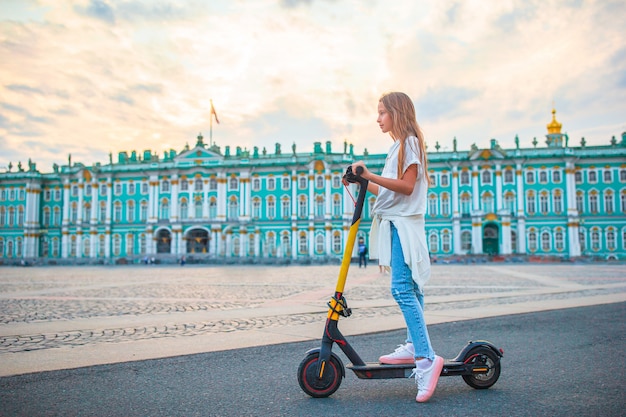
<point>491,240</point>
<point>164,241</point>
<point>197,241</point>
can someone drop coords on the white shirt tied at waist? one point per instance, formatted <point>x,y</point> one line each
<point>412,238</point>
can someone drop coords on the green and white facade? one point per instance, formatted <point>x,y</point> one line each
<point>554,200</point>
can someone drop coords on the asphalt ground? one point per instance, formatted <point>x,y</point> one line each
<point>226,341</point>
<point>567,362</point>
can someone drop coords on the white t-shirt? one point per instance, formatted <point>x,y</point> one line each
<point>391,203</point>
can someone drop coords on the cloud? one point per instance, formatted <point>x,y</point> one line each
<point>97,9</point>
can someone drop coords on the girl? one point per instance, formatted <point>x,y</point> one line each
<point>398,236</point>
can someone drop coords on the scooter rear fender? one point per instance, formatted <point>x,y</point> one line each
<point>473,344</point>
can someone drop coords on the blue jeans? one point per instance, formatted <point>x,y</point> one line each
<point>410,299</point>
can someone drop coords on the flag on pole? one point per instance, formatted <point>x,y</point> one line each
<point>213,113</point>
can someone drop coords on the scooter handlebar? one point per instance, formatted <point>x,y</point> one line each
<point>353,177</point>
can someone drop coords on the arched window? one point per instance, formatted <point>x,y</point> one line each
<point>433,242</point>
<point>486,177</point>
<point>303,246</point>
<point>465,177</point>
<point>184,209</point>
<point>319,243</point>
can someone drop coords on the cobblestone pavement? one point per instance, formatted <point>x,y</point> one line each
<point>39,305</point>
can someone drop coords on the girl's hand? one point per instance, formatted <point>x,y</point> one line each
<point>366,173</point>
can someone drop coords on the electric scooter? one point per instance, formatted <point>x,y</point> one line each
<point>321,371</point>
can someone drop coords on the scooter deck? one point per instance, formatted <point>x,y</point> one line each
<point>373,370</point>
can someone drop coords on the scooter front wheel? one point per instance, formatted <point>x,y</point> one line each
<point>486,367</point>
<point>309,379</point>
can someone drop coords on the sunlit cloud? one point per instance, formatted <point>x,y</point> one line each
<point>94,77</point>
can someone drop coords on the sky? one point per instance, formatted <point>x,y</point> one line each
<point>93,77</point>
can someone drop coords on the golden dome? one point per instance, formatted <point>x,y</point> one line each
<point>554,126</point>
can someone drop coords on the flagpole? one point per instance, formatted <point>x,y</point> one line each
<point>210,131</point>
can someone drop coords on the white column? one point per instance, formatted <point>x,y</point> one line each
<point>174,200</point>
<point>573,220</point>
<point>475,189</point>
<point>221,196</point>
<point>521,209</point>
<point>499,196</point>
<point>93,221</point>
<point>65,241</point>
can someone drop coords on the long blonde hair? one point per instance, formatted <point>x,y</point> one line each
<point>402,111</point>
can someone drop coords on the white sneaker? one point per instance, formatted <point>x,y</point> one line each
<point>404,354</point>
<point>426,379</point>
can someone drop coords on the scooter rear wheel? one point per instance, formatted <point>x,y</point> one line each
<point>319,387</point>
<point>482,357</point>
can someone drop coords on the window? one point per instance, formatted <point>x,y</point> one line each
<point>184,184</point>
<point>118,188</point>
<point>233,209</point>
<point>543,203</point>
<point>286,183</point>
<point>622,175</point>
<point>509,202</point>
<point>445,205</point>
<point>433,242</point>
<point>530,177</point>
<point>593,176</point>
<point>212,184</point>
<point>444,180</point>
<point>532,241</point>
<point>545,241</point>
<point>101,245</point>
<point>285,208</point>
<point>46,195</point>
<point>46,217</point>
<point>319,206</point>
<point>593,202</point>
<point>130,211</point>
<point>336,181</point>
<point>117,244</point>
<point>543,177</point>
<point>56,219</point>
<point>558,240</point>
<point>20,216</point>
<point>302,243</point>
<point>595,240</point>
<point>530,203</point>
<point>582,240</point>
<point>103,190</point>
<point>319,243</point>
<point>302,207</point>
<point>465,204</point>
<point>432,205</point>
<point>212,208</point>
<point>302,183</point>
<point>143,211</point>
<point>465,177</point>
<point>165,186</point>
<point>256,184</point>
<point>556,176</point>
<point>256,208</point>
<point>466,241</point>
<point>445,241</point>
<point>508,176</point>
<point>610,239</point>
<point>622,203</point>
<point>271,184</point>
<point>57,195</point>
<point>164,209</point>
<point>197,185</point>
<point>486,177</point>
<point>131,188</point>
<point>117,212</point>
<point>580,202</point>
<point>144,188</point>
<point>578,177</point>
<point>74,192</point>
<point>557,201</point>
<point>184,209</point>
<point>337,205</point>
<point>73,213</point>
<point>130,244</point>
<point>271,208</point>
<point>142,243</point>
<point>86,246</point>
<point>433,180</point>
<point>608,202</point>
<point>487,203</point>
<point>337,247</point>
<point>233,184</point>
<point>197,208</point>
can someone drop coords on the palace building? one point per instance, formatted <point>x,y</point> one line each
<point>556,200</point>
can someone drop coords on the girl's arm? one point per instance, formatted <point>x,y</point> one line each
<point>404,185</point>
